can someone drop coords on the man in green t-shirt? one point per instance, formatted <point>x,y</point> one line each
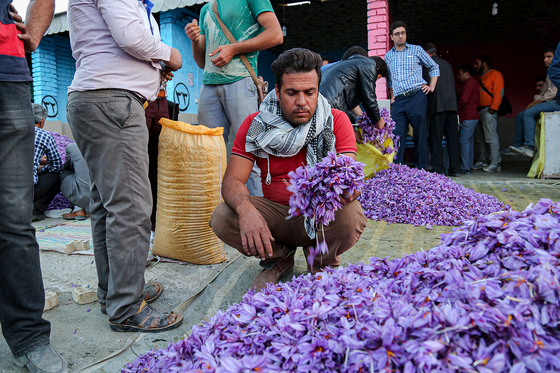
<point>228,93</point>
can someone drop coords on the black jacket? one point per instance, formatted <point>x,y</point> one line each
<point>444,97</point>
<point>350,82</point>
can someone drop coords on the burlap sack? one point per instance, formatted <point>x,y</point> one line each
<point>191,165</point>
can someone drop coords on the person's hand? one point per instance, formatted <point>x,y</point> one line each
<point>346,198</point>
<point>43,160</point>
<point>426,89</point>
<point>381,124</point>
<point>193,31</point>
<point>491,111</point>
<point>166,74</point>
<point>224,54</point>
<point>358,136</point>
<point>18,21</point>
<point>255,235</point>
<point>175,60</point>
<point>535,102</point>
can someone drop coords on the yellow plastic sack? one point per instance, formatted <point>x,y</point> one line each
<point>191,165</point>
<point>373,159</point>
<point>537,166</point>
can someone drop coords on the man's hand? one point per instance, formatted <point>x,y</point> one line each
<point>166,74</point>
<point>38,19</point>
<point>535,102</point>
<point>175,60</point>
<point>358,136</point>
<point>426,89</point>
<point>24,36</point>
<point>381,124</point>
<point>193,31</point>
<point>491,111</point>
<point>346,198</point>
<point>224,54</point>
<point>255,234</point>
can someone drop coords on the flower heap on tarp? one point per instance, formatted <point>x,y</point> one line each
<point>485,300</point>
<point>378,137</point>
<point>59,202</point>
<point>406,195</point>
<point>316,193</point>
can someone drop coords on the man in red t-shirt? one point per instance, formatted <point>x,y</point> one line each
<point>296,126</point>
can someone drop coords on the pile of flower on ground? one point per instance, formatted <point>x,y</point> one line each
<point>378,137</point>
<point>59,202</point>
<point>485,300</point>
<point>406,195</point>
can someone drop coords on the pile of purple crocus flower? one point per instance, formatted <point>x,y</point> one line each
<point>378,137</point>
<point>59,202</point>
<point>487,299</point>
<point>406,195</point>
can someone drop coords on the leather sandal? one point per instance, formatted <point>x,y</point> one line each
<point>143,319</point>
<point>152,292</point>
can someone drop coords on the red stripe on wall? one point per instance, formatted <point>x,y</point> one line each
<point>9,42</point>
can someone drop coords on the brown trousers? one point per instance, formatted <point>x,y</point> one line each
<point>341,234</point>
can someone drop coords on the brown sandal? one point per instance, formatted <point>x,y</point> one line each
<point>152,292</point>
<point>142,321</point>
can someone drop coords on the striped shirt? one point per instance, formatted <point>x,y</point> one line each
<point>44,143</point>
<point>405,68</point>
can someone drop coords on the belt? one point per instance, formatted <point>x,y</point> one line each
<point>478,108</point>
<point>409,93</point>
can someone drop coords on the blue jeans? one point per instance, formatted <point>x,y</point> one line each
<point>412,109</point>
<point>525,122</point>
<point>466,141</point>
<point>22,296</point>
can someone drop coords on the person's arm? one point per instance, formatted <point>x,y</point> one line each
<point>270,37</point>
<point>433,70</point>
<point>54,161</point>
<point>255,234</point>
<point>367,76</point>
<point>554,69</point>
<point>198,42</point>
<point>126,27</point>
<point>38,18</point>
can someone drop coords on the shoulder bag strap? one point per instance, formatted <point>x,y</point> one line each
<point>232,40</point>
<point>484,88</point>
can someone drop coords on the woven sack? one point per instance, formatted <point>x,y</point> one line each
<point>191,165</point>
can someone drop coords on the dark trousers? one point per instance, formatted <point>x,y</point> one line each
<point>341,234</point>
<point>154,112</point>
<point>47,187</point>
<point>22,296</point>
<point>440,123</point>
<point>412,109</point>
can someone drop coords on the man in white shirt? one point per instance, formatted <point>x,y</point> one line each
<point>117,48</point>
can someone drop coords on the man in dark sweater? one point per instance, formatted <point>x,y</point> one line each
<point>442,116</point>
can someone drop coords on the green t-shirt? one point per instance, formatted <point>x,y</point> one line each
<point>240,17</point>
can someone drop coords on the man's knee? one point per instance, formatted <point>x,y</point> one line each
<point>223,217</point>
<point>350,221</point>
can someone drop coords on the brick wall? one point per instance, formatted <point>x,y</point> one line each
<point>378,39</point>
<point>53,69</point>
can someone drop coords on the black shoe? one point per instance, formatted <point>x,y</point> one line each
<point>38,216</point>
<point>43,359</point>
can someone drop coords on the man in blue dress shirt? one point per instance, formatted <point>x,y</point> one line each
<point>408,90</point>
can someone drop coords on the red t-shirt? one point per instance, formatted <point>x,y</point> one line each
<point>280,167</point>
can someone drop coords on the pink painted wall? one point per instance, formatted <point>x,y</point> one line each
<point>378,37</point>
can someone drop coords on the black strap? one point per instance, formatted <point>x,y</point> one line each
<point>484,88</point>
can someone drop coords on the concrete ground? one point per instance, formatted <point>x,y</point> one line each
<point>82,335</point>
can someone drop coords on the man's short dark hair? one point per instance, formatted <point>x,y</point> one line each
<point>353,51</point>
<point>430,48</point>
<point>39,113</point>
<point>483,58</point>
<point>296,60</point>
<point>467,69</point>
<point>381,66</point>
<point>396,25</point>
<point>540,78</point>
<point>550,48</point>
<point>328,59</point>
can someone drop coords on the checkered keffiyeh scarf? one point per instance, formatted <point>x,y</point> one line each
<point>270,134</point>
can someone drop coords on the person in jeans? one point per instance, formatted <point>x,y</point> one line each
<point>117,48</point>
<point>296,125</point>
<point>490,99</point>
<point>525,121</point>
<point>468,97</point>
<point>22,295</point>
